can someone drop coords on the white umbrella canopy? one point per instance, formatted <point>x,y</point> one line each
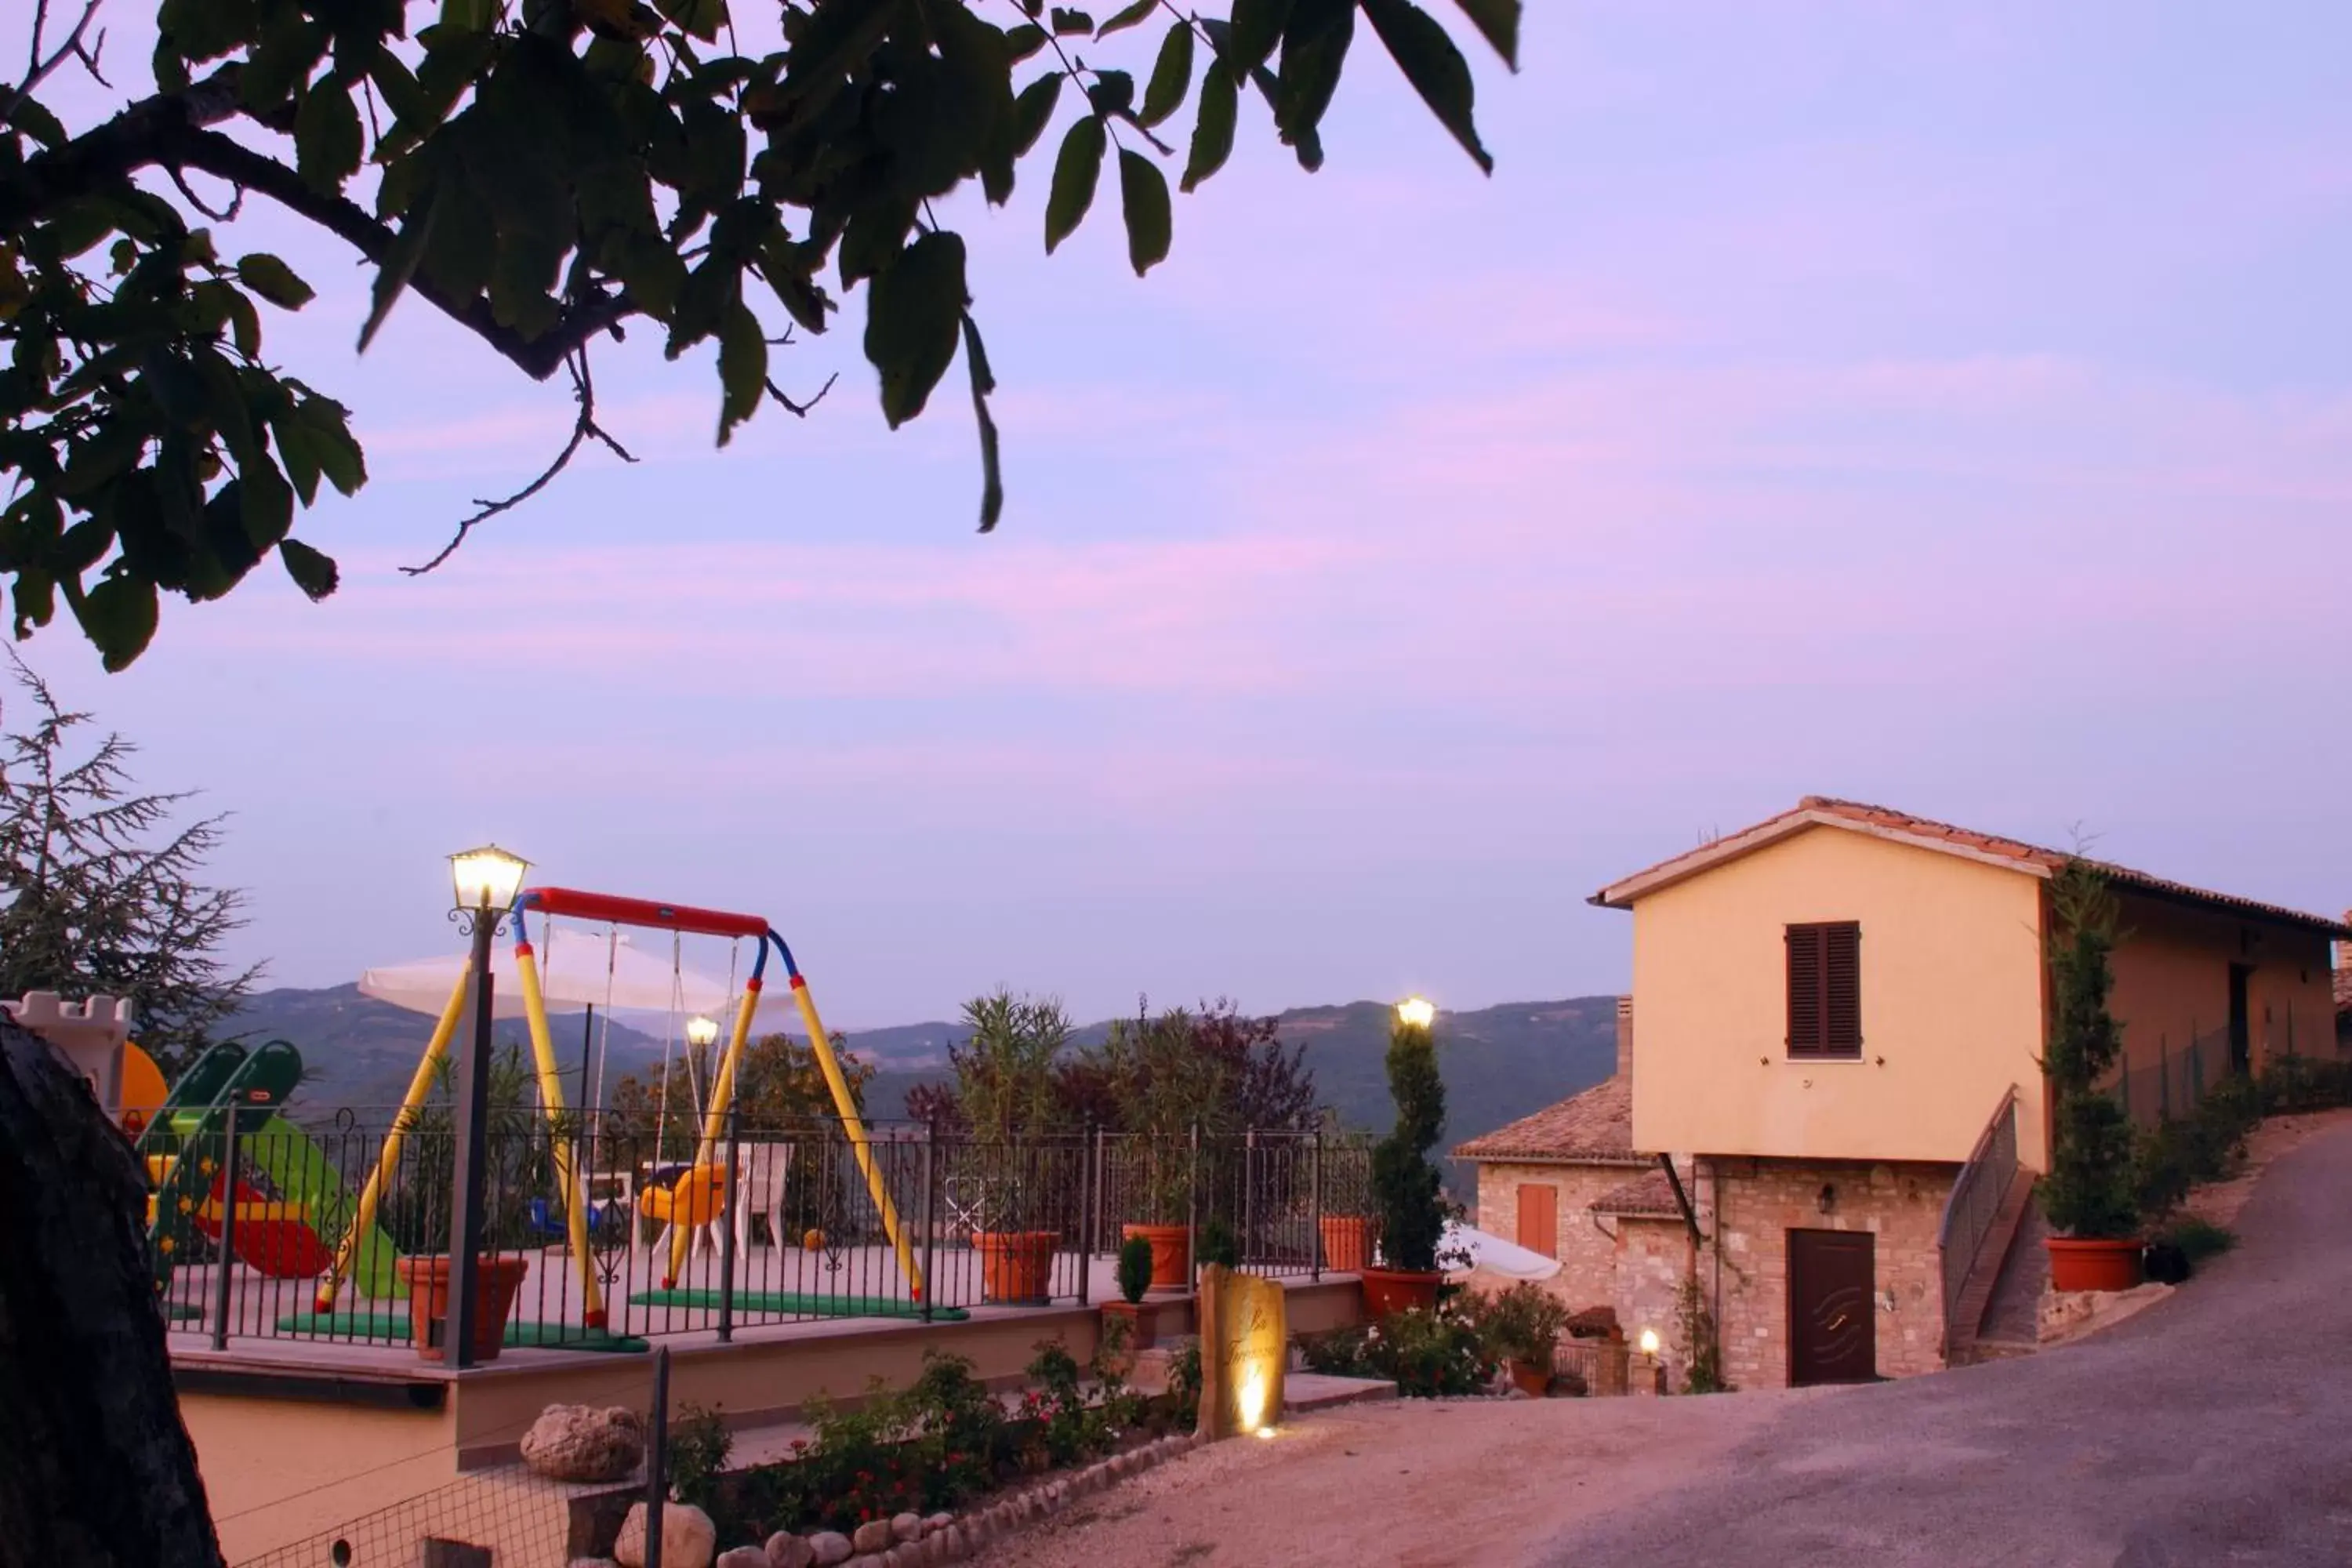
<point>579,967</point>
<point>1495,1256</point>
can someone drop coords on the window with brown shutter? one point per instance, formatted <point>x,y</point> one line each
<point>1540,1219</point>
<point>1825,989</point>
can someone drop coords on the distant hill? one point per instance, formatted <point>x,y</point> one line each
<point>1499,1063</point>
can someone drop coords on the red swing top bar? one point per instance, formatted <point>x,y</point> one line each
<point>640,912</point>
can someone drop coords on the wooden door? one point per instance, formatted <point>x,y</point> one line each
<point>1540,1219</point>
<point>1832,1307</point>
<point>2242,1027</point>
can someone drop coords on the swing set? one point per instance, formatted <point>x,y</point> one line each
<point>700,1195</point>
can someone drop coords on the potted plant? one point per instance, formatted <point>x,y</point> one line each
<point>1405,1185</point>
<point>2091,1195</point>
<point>1004,1090</point>
<point>1165,1090</point>
<point>497,1281</point>
<point>1523,1327</point>
<point>1130,1324</point>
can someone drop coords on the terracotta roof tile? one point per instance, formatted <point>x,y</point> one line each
<point>1595,1126</point>
<point>1646,1194</point>
<point>1990,844</point>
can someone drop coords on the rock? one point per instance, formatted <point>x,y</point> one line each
<point>583,1443</point>
<point>742,1557</point>
<point>873,1536</point>
<point>937,1522</point>
<point>786,1550</point>
<point>907,1526</point>
<point>688,1538</point>
<point>827,1547</point>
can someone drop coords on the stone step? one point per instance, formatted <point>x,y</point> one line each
<point>1307,1391</point>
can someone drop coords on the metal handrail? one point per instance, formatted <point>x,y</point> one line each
<point>1975,1200</point>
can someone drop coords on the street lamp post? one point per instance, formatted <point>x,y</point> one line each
<point>1416,1012</point>
<point>486,881</point>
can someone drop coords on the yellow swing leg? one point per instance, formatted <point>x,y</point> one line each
<point>550,1100</point>
<point>388,1160</point>
<point>690,1212</point>
<point>859,1144</point>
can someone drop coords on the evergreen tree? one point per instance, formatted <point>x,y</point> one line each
<point>2089,1193</point>
<point>101,888</point>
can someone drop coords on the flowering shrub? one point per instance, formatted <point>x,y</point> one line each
<point>1426,1354</point>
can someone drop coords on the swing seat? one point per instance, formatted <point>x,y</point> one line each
<point>698,1197</point>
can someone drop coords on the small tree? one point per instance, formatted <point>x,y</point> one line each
<point>2091,1191</point>
<point>1405,1184</point>
<point>101,885</point>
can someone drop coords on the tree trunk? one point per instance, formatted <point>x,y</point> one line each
<point>96,1470</point>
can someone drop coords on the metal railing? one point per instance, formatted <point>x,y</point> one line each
<point>781,1225</point>
<point>1975,1200</point>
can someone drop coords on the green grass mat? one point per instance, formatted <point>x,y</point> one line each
<point>800,1305</point>
<point>393,1329</point>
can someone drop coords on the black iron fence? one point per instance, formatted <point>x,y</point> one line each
<point>339,1231</point>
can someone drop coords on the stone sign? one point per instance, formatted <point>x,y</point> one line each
<point>1244,1348</point>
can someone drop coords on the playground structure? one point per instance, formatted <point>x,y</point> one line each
<point>693,1200</point>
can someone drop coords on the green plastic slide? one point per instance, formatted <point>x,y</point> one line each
<point>299,1170</point>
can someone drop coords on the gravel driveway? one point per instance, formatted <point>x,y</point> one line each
<point>2214,1428</point>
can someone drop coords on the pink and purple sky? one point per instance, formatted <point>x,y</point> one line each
<point>1953,411</point>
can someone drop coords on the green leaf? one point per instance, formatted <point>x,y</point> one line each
<point>1435,68</point>
<point>912,310</point>
<point>1313,50</point>
<point>274,281</point>
<point>1113,92</point>
<point>1024,40</point>
<point>983,383</point>
<point>1127,19</point>
<point>743,368</point>
<point>298,455</point>
<point>1076,171</point>
<point>37,122</point>
<point>119,615</point>
<point>327,139</point>
<point>702,19</point>
<point>1257,26</point>
<point>399,267</point>
<point>1213,131</point>
<point>1498,21</point>
<point>1143,199</point>
<point>267,502</point>
<point>1067,21</point>
<point>327,425</point>
<point>289,47</point>
<point>1034,110</point>
<point>313,573</point>
<point>468,16</point>
<point>1171,74</point>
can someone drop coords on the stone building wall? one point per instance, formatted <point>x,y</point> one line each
<point>1654,1256</point>
<point>1588,1253</point>
<point>1752,1204</point>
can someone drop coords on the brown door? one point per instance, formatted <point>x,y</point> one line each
<point>1832,1320</point>
<point>2241,1027</point>
<point>1540,1219</point>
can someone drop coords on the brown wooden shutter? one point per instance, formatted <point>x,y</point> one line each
<point>1805,1031</point>
<point>1540,1219</point>
<point>1842,990</point>
<point>1825,989</point>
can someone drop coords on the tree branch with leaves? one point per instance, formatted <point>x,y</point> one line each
<point>549,173</point>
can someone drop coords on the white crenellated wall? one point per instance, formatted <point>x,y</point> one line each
<point>89,1035</point>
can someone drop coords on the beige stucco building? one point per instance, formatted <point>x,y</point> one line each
<point>1834,1007</point>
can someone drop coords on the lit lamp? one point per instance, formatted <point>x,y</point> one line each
<point>1652,1377</point>
<point>701,1033</point>
<point>484,883</point>
<point>1416,1012</point>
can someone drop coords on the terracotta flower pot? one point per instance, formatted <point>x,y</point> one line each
<point>1532,1378</point>
<point>1347,1242</point>
<point>1172,1253</point>
<point>1016,1265</point>
<point>496,1281</point>
<point>2093,1264</point>
<point>1388,1292</point>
